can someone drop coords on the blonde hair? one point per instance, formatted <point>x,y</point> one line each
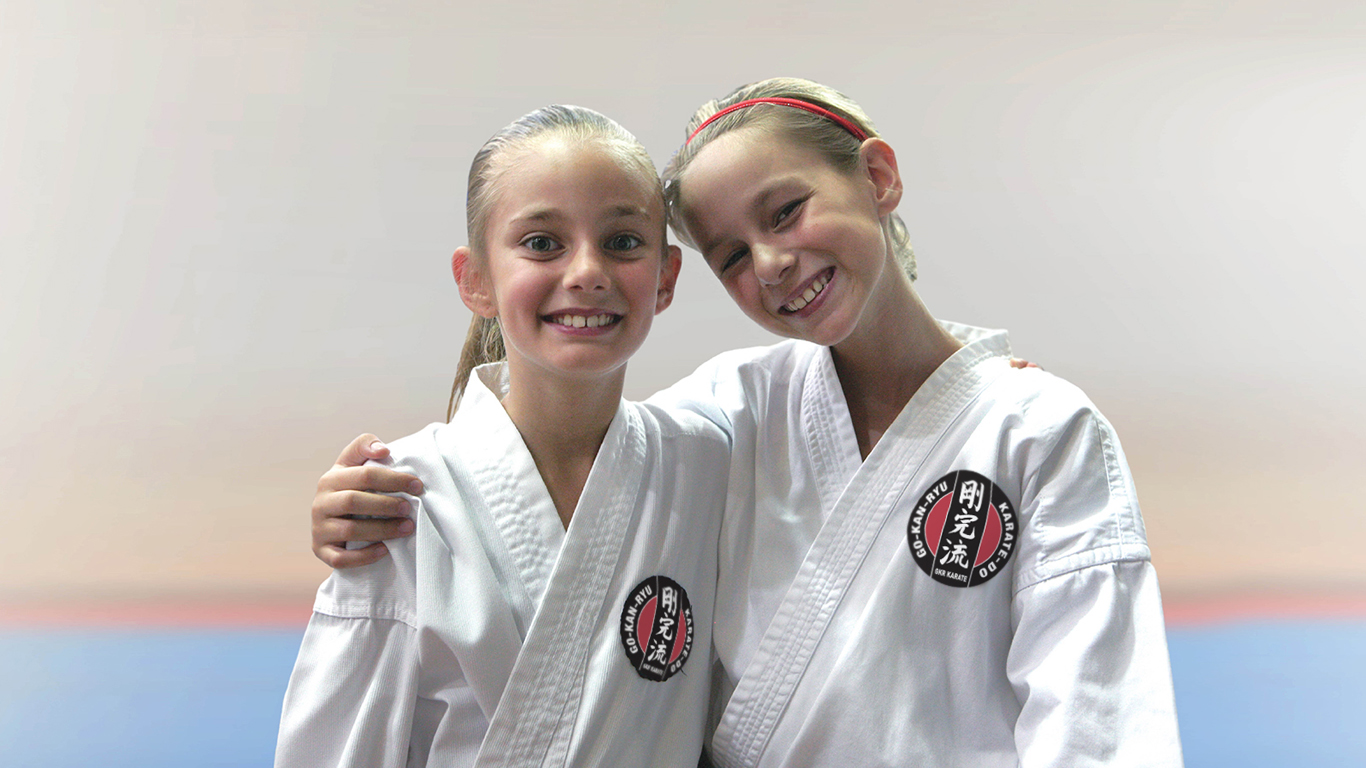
<point>828,138</point>
<point>508,147</point>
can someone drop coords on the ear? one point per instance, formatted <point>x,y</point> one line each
<point>668,277</point>
<point>473,284</point>
<point>879,162</point>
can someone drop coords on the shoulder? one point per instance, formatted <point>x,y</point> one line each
<point>1043,407</point>
<point>1077,494</point>
<point>416,453</point>
<point>679,425</point>
<point>741,368</point>
<point>1050,428</point>
<point>1031,393</point>
<point>775,361</point>
<point>386,589</point>
<point>739,380</point>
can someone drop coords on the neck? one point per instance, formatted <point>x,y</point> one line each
<point>563,423</point>
<point>884,362</point>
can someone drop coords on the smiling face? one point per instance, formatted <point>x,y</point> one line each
<point>799,244</point>
<point>574,264</point>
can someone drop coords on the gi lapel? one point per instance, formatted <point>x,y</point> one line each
<point>535,719</point>
<point>761,696</point>
<point>482,559</point>
<point>505,474</point>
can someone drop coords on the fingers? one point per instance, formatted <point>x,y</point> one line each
<point>330,536</point>
<point>341,557</point>
<point>352,489</point>
<point>339,505</point>
<point>1016,362</point>
<point>372,478</point>
<point>360,450</point>
<point>338,531</point>
<point>349,474</point>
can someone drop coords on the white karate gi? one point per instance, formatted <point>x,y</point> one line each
<point>494,626</point>
<point>839,650</point>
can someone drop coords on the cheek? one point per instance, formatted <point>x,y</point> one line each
<point>520,295</point>
<point>833,231</point>
<point>639,280</point>
<point>746,295</point>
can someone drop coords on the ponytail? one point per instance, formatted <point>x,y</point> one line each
<point>483,344</point>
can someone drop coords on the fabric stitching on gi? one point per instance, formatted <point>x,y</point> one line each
<point>755,724</point>
<point>542,736</point>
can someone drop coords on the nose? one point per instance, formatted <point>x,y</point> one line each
<point>771,264</point>
<point>587,269</point>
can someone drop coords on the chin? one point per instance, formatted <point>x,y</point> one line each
<point>592,368</point>
<point>828,331</point>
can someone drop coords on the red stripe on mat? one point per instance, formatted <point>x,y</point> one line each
<point>1197,611</point>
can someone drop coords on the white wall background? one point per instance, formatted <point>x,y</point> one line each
<point>225,229</point>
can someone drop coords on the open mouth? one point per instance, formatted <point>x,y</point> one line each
<point>812,291</point>
<point>584,321</point>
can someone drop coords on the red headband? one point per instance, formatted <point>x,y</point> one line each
<point>844,123</point>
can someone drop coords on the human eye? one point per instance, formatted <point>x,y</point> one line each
<point>788,211</point>
<point>623,242</point>
<point>730,260</point>
<point>541,244</point>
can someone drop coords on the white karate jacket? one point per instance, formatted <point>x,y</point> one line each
<point>495,637</point>
<point>977,593</point>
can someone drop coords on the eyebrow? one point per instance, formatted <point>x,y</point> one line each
<point>540,214</point>
<point>622,211</point>
<point>758,204</point>
<point>625,211</point>
<point>775,186</point>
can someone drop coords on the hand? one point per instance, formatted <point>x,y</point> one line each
<point>348,490</point>
<point>1016,362</point>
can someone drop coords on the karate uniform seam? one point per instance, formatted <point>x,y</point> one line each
<point>1080,561</point>
<point>352,611</point>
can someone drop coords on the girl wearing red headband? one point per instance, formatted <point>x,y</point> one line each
<point>927,558</point>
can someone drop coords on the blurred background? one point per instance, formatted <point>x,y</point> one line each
<point>225,232</point>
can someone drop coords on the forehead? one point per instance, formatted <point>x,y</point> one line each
<point>734,172</point>
<point>743,158</point>
<point>574,176</point>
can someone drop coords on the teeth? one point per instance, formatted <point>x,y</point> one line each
<point>810,293</point>
<point>581,321</point>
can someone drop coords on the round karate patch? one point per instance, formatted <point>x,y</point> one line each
<point>963,530</point>
<point>657,628</point>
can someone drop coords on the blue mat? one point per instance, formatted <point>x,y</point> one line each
<point>1269,694</point>
<point>96,698</point>
<point>1254,694</point>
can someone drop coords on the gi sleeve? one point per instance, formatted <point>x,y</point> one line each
<point>1089,664</point>
<point>700,392</point>
<point>371,686</point>
<point>1088,659</point>
<point>352,696</point>
<point>730,389</point>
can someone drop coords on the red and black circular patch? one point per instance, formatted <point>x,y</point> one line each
<point>657,628</point>
<point>963,530</point>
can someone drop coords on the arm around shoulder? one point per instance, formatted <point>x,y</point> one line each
<point>350,505</point>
